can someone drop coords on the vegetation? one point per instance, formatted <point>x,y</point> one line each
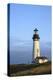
<point>30,69</point>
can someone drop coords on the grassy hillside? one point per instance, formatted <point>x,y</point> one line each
<point>30,69</point>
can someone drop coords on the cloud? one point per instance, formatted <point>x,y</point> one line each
<point>20,44</point>
<point>27,45</point>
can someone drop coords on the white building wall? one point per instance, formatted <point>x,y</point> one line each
<point>43,61</point>
<point>36,49</point>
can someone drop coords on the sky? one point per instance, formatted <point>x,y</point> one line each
<point>23,20</point>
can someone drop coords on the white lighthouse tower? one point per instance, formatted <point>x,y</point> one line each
<point>36,46</point>
<point>36,49</point>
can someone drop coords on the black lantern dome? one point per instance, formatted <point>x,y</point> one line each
<point>36,36</point>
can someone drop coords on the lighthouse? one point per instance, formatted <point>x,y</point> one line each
<point>37,58</point>
<point>36,45</point>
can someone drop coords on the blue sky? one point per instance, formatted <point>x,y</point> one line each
<point>23,20</point>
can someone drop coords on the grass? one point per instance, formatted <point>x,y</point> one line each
<point>30,69</point>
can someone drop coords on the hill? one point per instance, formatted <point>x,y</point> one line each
<point>30,69</point>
